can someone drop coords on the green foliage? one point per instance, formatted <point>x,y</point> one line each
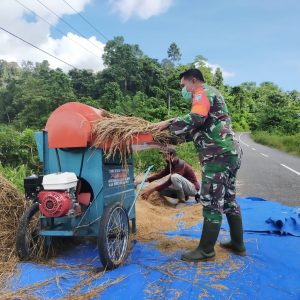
<point>18,148</point>
<point>188,153</point>
<point>84,83</point>
<point>131,84</point>
<point>278,113</point>
<point>218,79</point>
<point>15,175</point>
<point>122,61</point>
<point>34,95</point>
<point>290,144</point>
<point>174,53</point>
<point>144,159</point>
<point>8,70</point>
<point>111,95</point>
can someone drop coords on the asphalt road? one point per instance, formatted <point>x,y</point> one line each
<point>268,173</point>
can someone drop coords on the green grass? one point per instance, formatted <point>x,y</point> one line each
<point>15,175</point>
<point>286,143</point>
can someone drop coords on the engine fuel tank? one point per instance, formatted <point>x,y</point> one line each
<point>59,181</point>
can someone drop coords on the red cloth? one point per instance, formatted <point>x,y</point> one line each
<point>178,166</point>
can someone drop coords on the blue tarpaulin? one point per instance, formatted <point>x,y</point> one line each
<point>271,270</point>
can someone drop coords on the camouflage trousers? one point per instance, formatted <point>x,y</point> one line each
<point>218,188</point>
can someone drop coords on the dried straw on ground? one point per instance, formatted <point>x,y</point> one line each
<point>116,133</point>
<point>155,219</point>
<point>12,206</point>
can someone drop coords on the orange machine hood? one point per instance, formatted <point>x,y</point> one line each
<point>70,126</point>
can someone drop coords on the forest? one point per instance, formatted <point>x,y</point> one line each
<point>132,84</point>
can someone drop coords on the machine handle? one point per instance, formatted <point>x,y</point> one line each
<point>140,187</point>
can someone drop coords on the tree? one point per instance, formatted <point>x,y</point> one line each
<point>38,93</point>
<point>135,84</point>
<point>148,108</point>
<point>151,75</point>
<point>111,95</point>
<point>167,64</point>
<point>123,61</point>
<point>200,62</point>
<point>8,70</point>
<point>174,53</point>
<point>8,112</point>
<point>218,79</point>
<point>83,83</point>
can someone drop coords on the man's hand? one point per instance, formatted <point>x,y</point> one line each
<point>162,125</point>
<point>145,195</point>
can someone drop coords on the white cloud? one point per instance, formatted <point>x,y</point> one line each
<point>143,9</point>
<point>226,74</point>
<point>75,55</point>
<point>69,47</point>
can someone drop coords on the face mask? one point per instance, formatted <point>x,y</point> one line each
<point>185,94</point>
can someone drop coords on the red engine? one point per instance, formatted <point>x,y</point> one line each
<point>54,203</point>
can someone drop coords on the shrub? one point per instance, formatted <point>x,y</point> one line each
<point>17,148</point>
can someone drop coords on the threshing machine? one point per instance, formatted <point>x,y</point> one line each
<point>80,193</point>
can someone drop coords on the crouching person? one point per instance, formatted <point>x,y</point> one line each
<point>182,182</point>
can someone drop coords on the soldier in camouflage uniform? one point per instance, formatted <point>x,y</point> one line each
<point>209,125</point>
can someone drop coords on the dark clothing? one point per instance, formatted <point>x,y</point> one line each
<point>218,187</point>
<point>208,124</point>
<point>180,167</point>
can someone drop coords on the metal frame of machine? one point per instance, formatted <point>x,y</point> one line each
<point>101,202</point>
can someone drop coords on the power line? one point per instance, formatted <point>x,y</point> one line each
<point>61,19</point>
<point>37,47</point>
<point>96,29</point>
<point>60,31</point>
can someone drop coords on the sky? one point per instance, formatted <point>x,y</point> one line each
<point>250,40</point>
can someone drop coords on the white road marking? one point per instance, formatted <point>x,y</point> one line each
<point>298,173</point>
<point>265,155</point>
<point>242,141</point>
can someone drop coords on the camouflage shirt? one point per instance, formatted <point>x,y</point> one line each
<point>208,124</point>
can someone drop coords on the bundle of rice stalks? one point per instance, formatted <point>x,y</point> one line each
<point>115,134</point>
<point>12,206</point>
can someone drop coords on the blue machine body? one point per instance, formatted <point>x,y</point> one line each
<point>107,181</point>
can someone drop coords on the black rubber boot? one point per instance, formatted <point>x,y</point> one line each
<point>236,244</point>
<point>205,250</point>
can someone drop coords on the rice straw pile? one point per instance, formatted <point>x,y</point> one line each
<point>155,216</point>
<point>12,206</point>
<point>115,134</point>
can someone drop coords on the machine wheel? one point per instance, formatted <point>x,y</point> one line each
<point>28,240</point>
<point>113,236</point>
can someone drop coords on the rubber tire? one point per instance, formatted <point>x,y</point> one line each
<point>22,249</point>
<point>102,243</point>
